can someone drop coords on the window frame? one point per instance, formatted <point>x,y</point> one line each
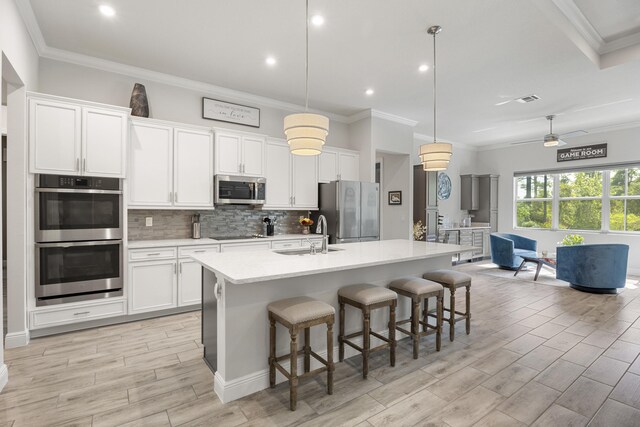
<point>535,199</point>
<point>624,198</point>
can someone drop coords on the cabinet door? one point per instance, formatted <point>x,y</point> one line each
<point>150,165</point>
<point>193,163</point>
<point>349,167</point>
<point>152,286</point>
<point>190,283</point>
<point>54,137</point>
<point>328,166</point>
<point>493,221</point>
<point>228,160</point>
<point>304,182</point>
<point>253,156</point>
<point>278,175</point>
<point>493,197</point>
<point>104,142</point>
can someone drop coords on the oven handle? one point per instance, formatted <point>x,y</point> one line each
<point>72,244</point>
<point>68,190</point>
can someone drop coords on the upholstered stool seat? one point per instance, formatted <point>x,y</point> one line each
<point>420,290</point>
<point>366,298</point>
<point>452,280</point>
<point>296,314</point>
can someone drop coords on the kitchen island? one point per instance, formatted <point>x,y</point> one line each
<point>238,286</point>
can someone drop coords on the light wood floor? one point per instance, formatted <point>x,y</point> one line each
<point>537,355</point>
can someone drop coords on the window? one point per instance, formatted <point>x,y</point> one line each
<point>534,201</point>
<point>624,199</point>
<point>583,200</point>
<point>580,201</point>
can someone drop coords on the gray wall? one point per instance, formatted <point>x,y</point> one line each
<point>396,219</point>
<point>224,221</point>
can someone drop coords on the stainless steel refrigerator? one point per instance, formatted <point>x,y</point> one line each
<point>352,209</point>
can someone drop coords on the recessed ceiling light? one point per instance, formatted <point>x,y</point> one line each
<point>317,20</point>
<point>369,91</point>
<point>271,61</point>
<point>423,68</point>
<point>107,10</point>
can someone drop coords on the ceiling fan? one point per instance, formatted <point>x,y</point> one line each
<point>553,139</point>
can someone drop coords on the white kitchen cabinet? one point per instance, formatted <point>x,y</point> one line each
<point>335,164</point>
<point>245,247</point>
<point>349,166</point>
<point>153,285</point>
<point>193,161</point>
<point>150,165</point>
<point>292,181</point>
<point>66,314</point>
<point>239,154</point>
<point>170,167</point>
<point>76,138</point>
<point>190,283</point>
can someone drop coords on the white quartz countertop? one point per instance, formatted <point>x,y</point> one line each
<point>473,227</point>
<point>268,265</point>
<point>136,244</point>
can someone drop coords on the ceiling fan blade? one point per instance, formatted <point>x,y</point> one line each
<point>530,141</point>
<point>574,133</point>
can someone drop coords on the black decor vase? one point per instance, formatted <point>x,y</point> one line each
<point>139,103</point>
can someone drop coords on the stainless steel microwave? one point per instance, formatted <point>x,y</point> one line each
<point>240,190</point>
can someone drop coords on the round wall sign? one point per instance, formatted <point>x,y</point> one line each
<point>444,186</point>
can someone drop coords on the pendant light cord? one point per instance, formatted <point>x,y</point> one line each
<point>306,61</point>
<point>434,86</point>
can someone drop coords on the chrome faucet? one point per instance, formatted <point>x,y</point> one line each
<point>323,230</point>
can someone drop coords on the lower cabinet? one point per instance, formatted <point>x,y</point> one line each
<point>190,282</point>
<point>153,285</point>
<point>65,314</point>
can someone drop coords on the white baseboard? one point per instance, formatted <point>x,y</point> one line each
<point>4,376</point>
<point>16,339</point>
<point>237,388</point>
<point>633,271</point>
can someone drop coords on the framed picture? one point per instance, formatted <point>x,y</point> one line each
<point>395,197</point>
<point>222,111</point>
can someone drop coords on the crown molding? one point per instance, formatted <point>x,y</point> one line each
<point>30,21</point>
<point>359,116</point>
<point>393,118</point>
<point>581,23</point>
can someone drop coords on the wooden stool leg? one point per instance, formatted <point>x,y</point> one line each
<point>330,364</point>
<point>415,325</point>
<point>272,352</point>
<point>341,334</point>
<point>439,314</point>
<point>366,342</point>
<point>307,350</point>
<point>392,333</point>
<point>425,315</point>
<point>293,382</point>
<point>452,313</point>
<point>468,312</point>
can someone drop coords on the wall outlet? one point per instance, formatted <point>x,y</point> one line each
<point>148,221</point>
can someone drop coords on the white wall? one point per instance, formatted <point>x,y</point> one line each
<point>623,146</point>
<point>463,161</point>
<point>20,68</point>
<point>165,102</point>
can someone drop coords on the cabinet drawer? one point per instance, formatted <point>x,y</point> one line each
<point>78,313</point>
<point>151,254</point>
<point>284,244</point>
<point>245,247</point>
<point>186,251</point>
<point>318,242</point>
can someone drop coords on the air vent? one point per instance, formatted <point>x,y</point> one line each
<point>528,98</point>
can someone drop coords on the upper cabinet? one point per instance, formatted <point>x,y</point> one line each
<point>239,154</point>
<point>76,138</point>
<point>335,164</point>
<point>292,181</point>
<point>170,167</point>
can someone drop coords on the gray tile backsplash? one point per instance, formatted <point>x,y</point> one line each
<point>223,221</point>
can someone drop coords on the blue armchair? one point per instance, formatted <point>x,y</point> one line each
<point>593,268</point>
<point>506,249</point>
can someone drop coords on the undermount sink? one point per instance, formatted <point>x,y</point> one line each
<point>304,251</point>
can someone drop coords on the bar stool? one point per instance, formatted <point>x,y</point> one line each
<point>452,280</point>
<point>296,314</point>
<point>420,290</point>
<point>366,298</point>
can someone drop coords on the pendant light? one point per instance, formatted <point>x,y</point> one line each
<point>306,132</point>
<point>435,156</point>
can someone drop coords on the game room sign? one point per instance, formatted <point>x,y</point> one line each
<point>582,153</point>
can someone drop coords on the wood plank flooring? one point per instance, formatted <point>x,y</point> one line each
<point>537,355</point>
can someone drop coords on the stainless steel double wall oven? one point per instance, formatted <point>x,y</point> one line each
<point>78,233</point>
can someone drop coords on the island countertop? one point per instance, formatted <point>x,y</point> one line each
<point>239,268</point>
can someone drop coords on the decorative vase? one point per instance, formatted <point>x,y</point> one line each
<point>139,103</point>
<point>305,229</point>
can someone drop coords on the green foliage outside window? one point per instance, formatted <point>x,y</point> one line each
<point>625,212</point>
<point>531,211</point>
